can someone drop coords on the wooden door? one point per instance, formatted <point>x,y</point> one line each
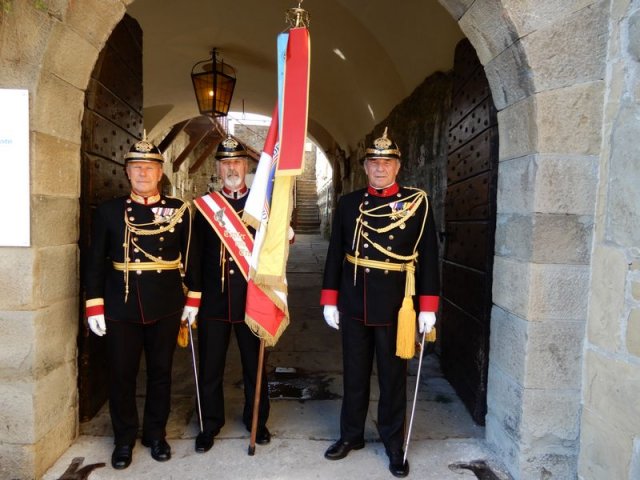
<point>112,122</point>
<point>470,218</point>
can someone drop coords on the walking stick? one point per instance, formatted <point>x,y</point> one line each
<point>256,401</point>
<point>195,374</point>
<point>415,398</point>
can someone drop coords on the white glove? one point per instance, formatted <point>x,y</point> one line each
<point>332,316</point>
<point>97,325</point>
<point>189,313</point>
<point>290,233</point>
<point>426,321</point>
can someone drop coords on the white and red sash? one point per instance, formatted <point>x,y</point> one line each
<point>226,222</point>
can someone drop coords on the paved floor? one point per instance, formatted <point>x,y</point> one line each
<point>305,387</point>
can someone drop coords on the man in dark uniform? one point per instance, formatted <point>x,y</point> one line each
<point>139,244</point>
<point>382,250</point>
<point>218,270</point>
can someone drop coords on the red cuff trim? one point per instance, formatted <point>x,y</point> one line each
<point>429,303</point>
<point>193,299</point>
<point>94,306</point>
<point>329,297</point>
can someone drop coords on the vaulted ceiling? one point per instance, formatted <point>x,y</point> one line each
<point>386,50</point>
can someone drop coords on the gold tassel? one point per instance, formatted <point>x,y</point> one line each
<point>431,336</point>
<point>406,336</point>
<point>183,335</point>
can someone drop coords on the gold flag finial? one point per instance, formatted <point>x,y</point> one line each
<point>297,17</point>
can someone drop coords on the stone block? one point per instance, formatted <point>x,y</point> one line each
<point>56,274</point>
<point>531,15</point>
<point>569,120</point>
<point>623,216</point>
<point>50,447</point>
<point>95,19</point>
<point>633,332</point>
<point>487,25</point>
<point>456,7</point>
<point>17,355</point>
<point>634,35</point>
<point>508,343</point>
<point>558,292</point>
<point>54,220</point>
<point>504,446</point>
<point>55,336</point>
<point>510,76</point>
<point>513,236</point>
<point>538,463</point>
<point>17,461</point>
<point>504,402</point>
<point>565,184</point>
<point>605,452</point>
<point>516,185</point>
<point>548,184</point>
<point>56,166</point>
<point>572,50</point>
<point>511,285</point>
<point>16,278</point>
<point>55,396</point>
<point>67,54</point>
<point>25,35</point>
<point>551,418</point>
<point>562,239</point>
<point>518,129</point>
<point>608,281</point>
<point>15,74</point>
<point>554,355</point>
<point>17,413</point>
<point>544,238</point>
<point>58,108</point>
<point>635,290</point>
<point>612,389</point>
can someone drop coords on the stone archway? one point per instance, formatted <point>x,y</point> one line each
<point>545,66</point>
<point>546,74</point>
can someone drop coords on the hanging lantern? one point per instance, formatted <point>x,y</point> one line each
<point>213,83</point>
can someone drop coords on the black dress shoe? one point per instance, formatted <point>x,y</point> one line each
<point>160,450</point>
<point>121,456</point>
<point>263,436</point>
<point>341,449</point>
<point>204,442</point>
<point>397,467</point>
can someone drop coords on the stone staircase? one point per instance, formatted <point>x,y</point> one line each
<point>306,212</point>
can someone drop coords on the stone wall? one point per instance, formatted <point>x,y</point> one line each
<point>50,49</point>
<point>610,425</point>
<point>542,59</point>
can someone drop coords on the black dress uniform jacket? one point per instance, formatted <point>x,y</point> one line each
<point>152,294</point>
<point>223,287</point>
<point>377,294</point>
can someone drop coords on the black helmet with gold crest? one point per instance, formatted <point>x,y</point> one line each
<point>143,151</point>
<point>230,148</point>
<point>383,147</point>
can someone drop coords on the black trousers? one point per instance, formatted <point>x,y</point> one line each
<point>359,343</point>
<point>213,343</point>
<point>125,343</point>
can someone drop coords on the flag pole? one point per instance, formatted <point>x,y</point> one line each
<point>256,401</point>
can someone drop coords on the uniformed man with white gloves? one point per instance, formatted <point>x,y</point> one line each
<point>134,297</point>
<point>383,250</point>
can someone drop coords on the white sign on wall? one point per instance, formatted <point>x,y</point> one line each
<point>14,159</point>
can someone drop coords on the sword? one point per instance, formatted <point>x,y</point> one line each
<point>415,398</point>
<point>195,374</point>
